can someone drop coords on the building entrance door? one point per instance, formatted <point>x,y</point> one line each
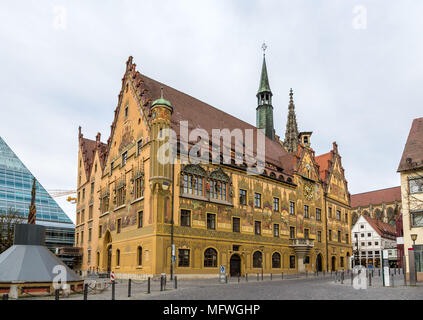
<point>235,266</point>
<point>109,259</point>
<point>319,263</point>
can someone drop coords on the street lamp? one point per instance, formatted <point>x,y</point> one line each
<point>414,238</point>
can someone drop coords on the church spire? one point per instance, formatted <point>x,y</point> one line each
<point>264,111</point>
<point>291,134</point>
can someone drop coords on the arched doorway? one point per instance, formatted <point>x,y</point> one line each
<point>235,266</point>
<point>333,263</point>
<point>109,258</point>
<point>319,263</point>
<point>107,252</point>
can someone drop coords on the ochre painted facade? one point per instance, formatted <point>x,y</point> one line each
<point>131,184</point>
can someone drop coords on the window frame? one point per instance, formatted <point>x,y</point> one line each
<point>180,264</point>
<point>242,196</point>
<point>257,223</point>
<point>214,221</point>
<point>188,212</point>
<point>239,224</point>
<point>257,197</point>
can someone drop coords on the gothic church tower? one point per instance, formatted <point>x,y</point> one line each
<point>264,110</point>
<point>291,134</point>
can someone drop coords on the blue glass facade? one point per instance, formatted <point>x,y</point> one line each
<point>15,192</point>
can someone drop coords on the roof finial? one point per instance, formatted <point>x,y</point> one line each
<point>291,99</point>
<point>264,47</point>
<point>161,89</point>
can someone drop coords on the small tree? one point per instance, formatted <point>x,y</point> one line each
<point>8,219</point>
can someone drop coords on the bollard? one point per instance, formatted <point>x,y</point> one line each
<point>257,277</point>
<point>161,283</point>
<point>352,278</point>
<point>56,294</point>
<point>282,275</point>
<point>176,282</point>
<point>271,277</point>
<point>5,296</point>
<point>342,277</point>
<point>261,275</point>
<point>392,280</point>
<point>378,272</point>
<point>129,288</point>
<point>246,277</point>
<point>370,280</point>
<point>86,291</point>
<point>148,286</point>
<point>239,279</point>
<point>113,290</point>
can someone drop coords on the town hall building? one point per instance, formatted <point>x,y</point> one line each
<point>140,216</point>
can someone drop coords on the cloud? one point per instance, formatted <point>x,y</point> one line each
<point>358,87</point>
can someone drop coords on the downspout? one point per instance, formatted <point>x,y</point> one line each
<point>327,238</point>
<point>172,222</point>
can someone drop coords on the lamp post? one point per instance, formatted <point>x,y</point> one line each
<point>411,262</point>
<point>414,238</point>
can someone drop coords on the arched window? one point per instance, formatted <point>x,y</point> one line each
<point>210,258</point>
<point>354,218</point>
<point>257,259</point>
<point>276,260</point>
<point>378,214</point>
<point>139,256</point>
<point>193,180</point>
<point>219,183</point>
<point>118,257</point>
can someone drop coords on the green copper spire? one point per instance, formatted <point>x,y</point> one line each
<point>162,101</point>
<point>264,111</point>
<point>264,79</point>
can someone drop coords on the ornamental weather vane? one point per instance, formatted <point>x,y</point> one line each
<point>264,47</point>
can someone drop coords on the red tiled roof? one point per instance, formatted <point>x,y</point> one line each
<point>200,115</point>
<point>376,197</point>
<point>89,149</point>
<point>412,156</point>
<point>385,230</point>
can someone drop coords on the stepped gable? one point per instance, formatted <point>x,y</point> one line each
<point>89,148</point>
<point>197,113</point>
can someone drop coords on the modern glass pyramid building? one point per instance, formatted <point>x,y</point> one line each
<point>15,192</point>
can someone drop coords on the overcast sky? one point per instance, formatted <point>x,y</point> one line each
<point>355,67</point>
